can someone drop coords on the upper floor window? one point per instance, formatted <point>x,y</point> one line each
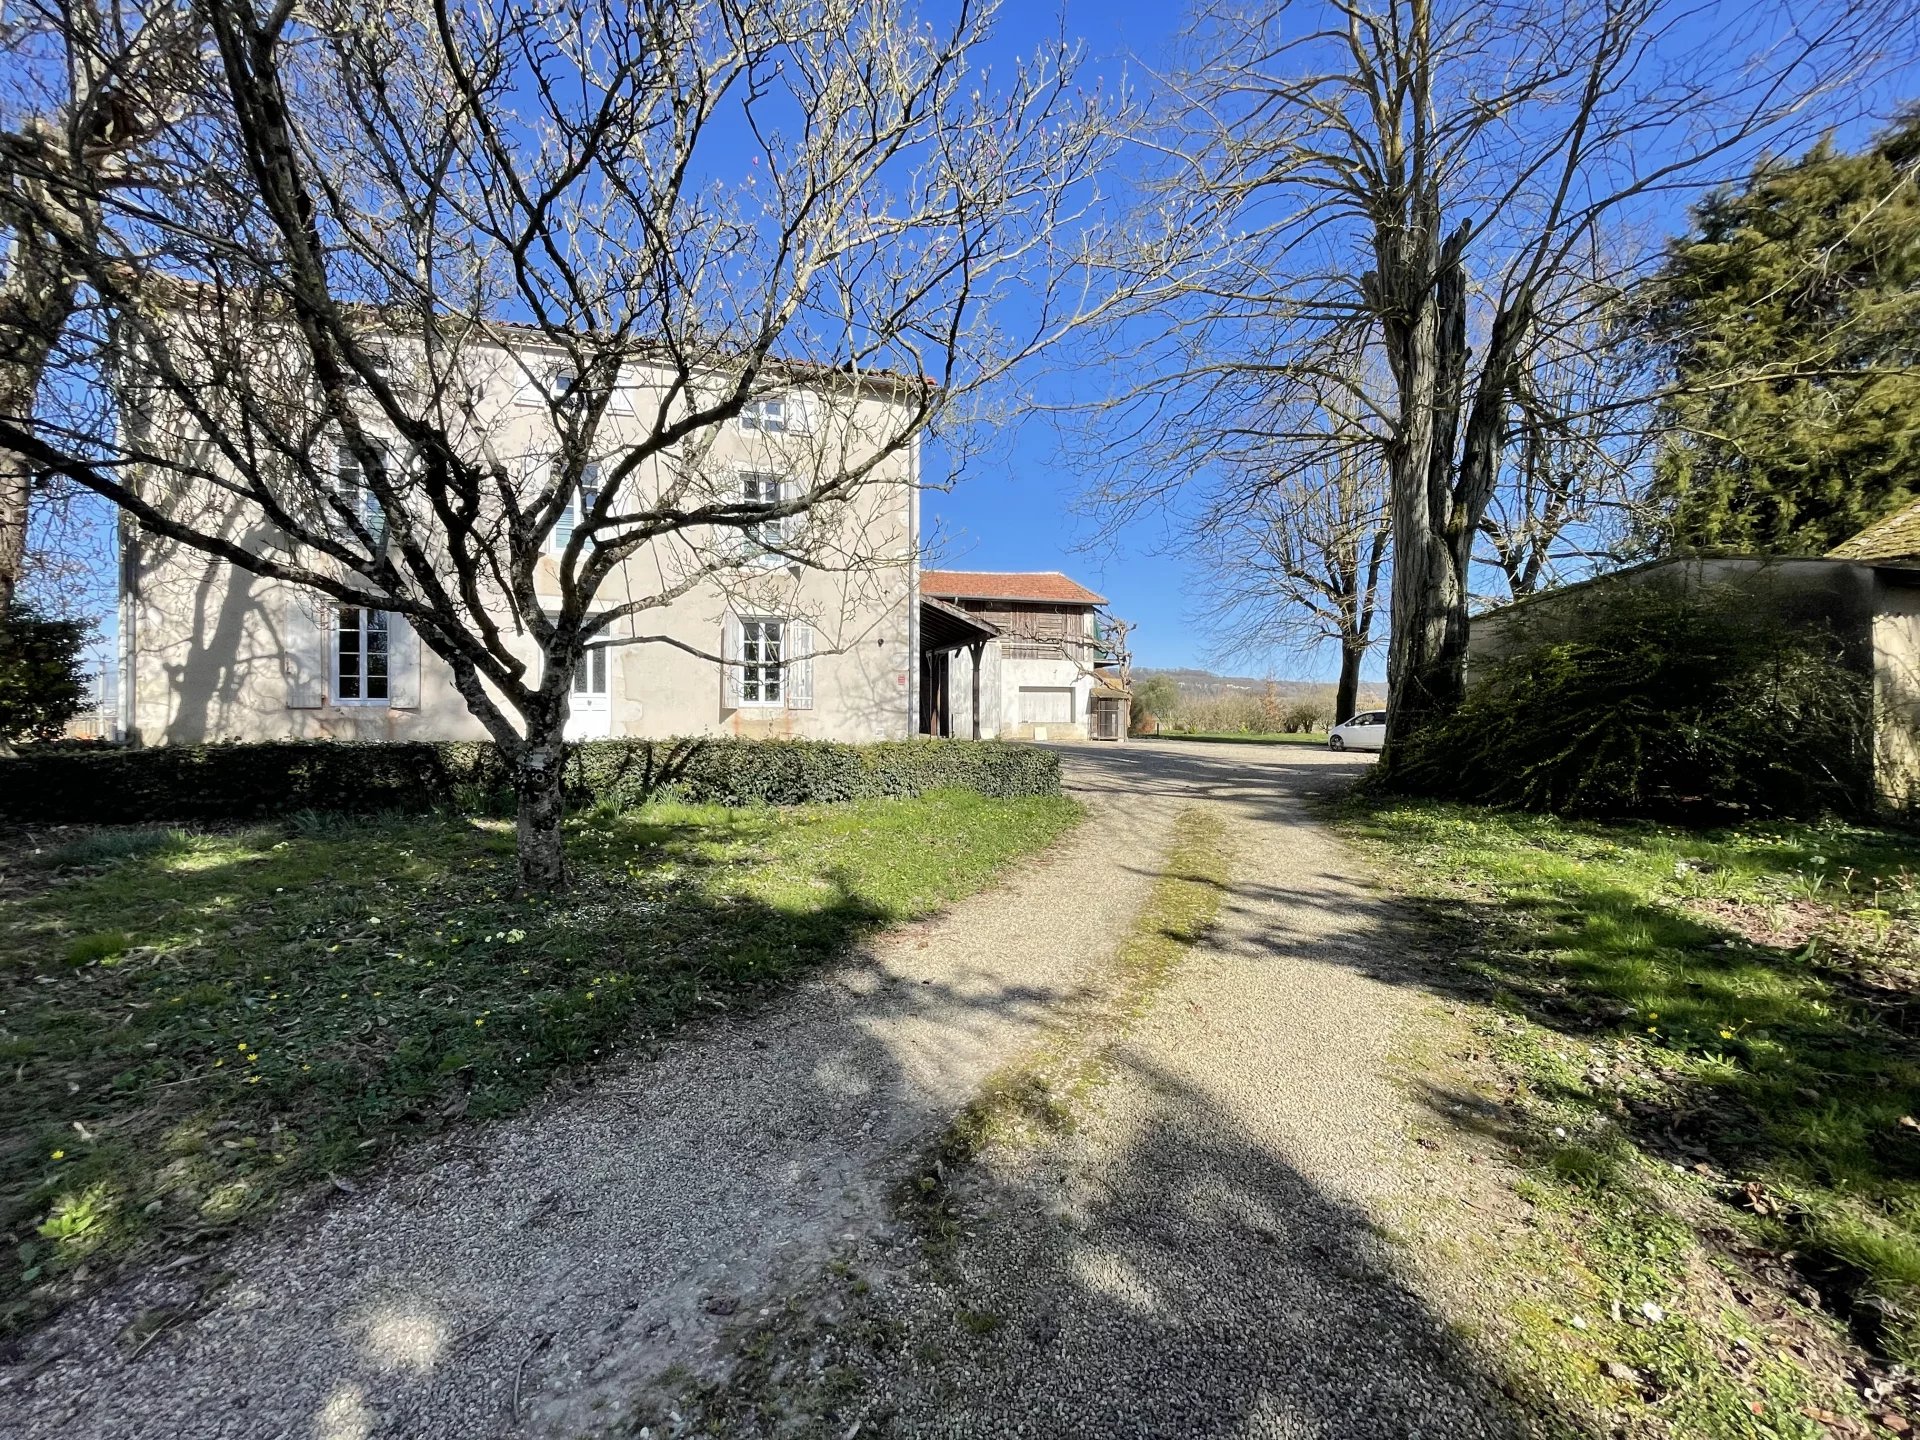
<point>764,539</point>
<point>766,412</point>
<point>563,387</point>
<point>379,362</point>
<point>357,496</point>
<point>360,654</point>
<point>579,506</point>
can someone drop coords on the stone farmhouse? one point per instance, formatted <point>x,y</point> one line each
<point>843,646</point>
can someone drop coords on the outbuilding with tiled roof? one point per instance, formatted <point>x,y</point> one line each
<point>1035,670</point>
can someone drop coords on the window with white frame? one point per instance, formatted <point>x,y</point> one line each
<point>360,656</point>
<point>763,539</point>
<point>767,662</point>
<point>379,362</point>
<point>765,412</point>
<point>579,506</point>
<point>590,675</point>
<point>354,492</point>
<point>563,387</point>
<point>762,649</point>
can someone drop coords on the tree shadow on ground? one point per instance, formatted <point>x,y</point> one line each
<point>199,1031</point>
<point>1192,1284</point>
<point>1749,1064</point>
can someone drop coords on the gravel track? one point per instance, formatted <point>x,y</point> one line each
<point>1203,1254</point>
<point>528,1277</point>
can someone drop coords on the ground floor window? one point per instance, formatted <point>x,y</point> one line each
<point>1046,705</point>
<point>762,648</point>
<point>360,656</point>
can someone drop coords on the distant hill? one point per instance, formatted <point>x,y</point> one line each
<point>1204,684</point>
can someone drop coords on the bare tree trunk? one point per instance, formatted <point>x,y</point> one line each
<point>1346,698</point>
<point>537,776</point>
<point>1421,290</point>
<point>36,301</point>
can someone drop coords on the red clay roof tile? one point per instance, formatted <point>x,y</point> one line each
<point>1046,586</point>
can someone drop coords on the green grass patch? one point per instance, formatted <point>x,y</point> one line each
<point>1318,737</point>
<point>198,1027</point>
<point>1712,1045</point>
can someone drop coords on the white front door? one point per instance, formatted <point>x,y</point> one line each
<point>589,716</point>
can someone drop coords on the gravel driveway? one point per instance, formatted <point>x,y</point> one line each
<point>1204,1254</point>
<point>1201,1258</point>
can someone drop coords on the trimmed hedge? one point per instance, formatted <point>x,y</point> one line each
<point>261,780</point>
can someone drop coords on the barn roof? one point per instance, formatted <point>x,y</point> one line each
<point>1046,586</point>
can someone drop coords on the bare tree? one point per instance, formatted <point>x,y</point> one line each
<point>1417,179</point>
<point>1572,461</point>
<point>648,222</point>
<point>1299,560</point>
<point>89,85</point>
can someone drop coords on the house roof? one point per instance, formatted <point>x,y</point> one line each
<point>398,320</point>
<point>1046,586</point>
<point>1892,537</point>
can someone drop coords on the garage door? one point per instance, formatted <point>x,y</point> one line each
<point>1044,705</point>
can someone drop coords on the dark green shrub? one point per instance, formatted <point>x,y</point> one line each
<point>42,684</point>
<point>278,778</point>
<point>1651,698</point>
<point>218,782</point>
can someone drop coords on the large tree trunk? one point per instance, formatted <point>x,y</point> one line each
<point>542,807</point>
<point>1437,509</point>
<point>1427,347</point>
<point>1426,670</point>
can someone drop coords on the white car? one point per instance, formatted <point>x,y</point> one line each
<point>1365,731</point>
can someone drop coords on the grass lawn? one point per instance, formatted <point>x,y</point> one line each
<point>1710,1045</point>
<point>1318,737</point>
<point>193,1025</point>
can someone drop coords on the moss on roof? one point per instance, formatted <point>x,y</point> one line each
<point>1892,537</point>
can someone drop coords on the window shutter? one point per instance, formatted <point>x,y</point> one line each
<point>403,664</point>
<point>303,628</point>
<point>799,666</point>
<point>730,648</point>
<point>803,412</point>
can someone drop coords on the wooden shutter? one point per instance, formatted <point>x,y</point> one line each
<point>304,625</point>
<point>803,412</point>
<point>730,650</point>
<point>403,664</point>
<point>799,665</point>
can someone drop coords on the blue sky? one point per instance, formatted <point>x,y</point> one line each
<point>1013,511</point>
